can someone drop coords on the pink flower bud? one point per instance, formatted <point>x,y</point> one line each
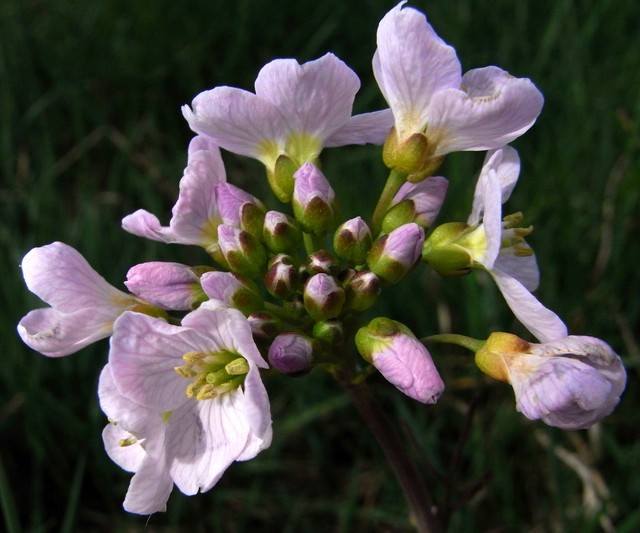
<point>416,202</point>
<point>352,241</point>
<point>291,353</point>
<point>280,232</point>
<point>394,254</point>
<point>313,200</point>
<point>401,359</point>
<point>242,252</point>
<point>232,290</point>
<point>323,297</point>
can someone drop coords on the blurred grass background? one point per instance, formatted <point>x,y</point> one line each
<point>90,130</point>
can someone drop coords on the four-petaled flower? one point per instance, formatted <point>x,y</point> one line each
<point>191,395</point>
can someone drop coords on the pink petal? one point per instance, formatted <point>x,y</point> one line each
<point>542,322</point>
<point>316,97</point>
<point>149,488</point>
<point>166,285</point>
<point>236,120</point>
<point>365,128</point>
<point>412,64</point>
<point>523,268</point>
<point>493,109</point>
<point>129,457</point>
<point>60,276</point>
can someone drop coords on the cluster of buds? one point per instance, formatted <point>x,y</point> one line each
<point>287,289</point>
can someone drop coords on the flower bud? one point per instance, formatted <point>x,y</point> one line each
<point>442,252</point>
<point>242,252</point>
<point>281,232</point>
<point>394,254</point>
<point>362,290</point>
<point>240,209</point>
<point>166,285</point>
<point>281,279</point>
<point>313,200</point>
<point>570,383</point>
<point>412,156</point>
<point>233,291</point>
<point>401,359</point>
<point>329,332</point>
<point>291,353</point>
<point>321,261</point>
<point>323,297</point>
<point>416,202</point>
<point>264,327</point>
<point>281,177</point>
<point>352,241</point>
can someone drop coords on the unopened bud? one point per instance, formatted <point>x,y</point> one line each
<point>323,297</point>
<point>329,332</point>
<point>264,326</point>
<point>232,290</point>
<point>281,177</point>
<point>394,254</point>
<point>281,232</point>
<point>281,279</point>
<point>313,200</point>
<point>352,241</point>
<point>321,261</point>
<point>240,209</point>
<point>362,290</point>
<point>412,156</point>
<point>442,250</point>
<point>242,252</point>
<point>291,353</point>
<point>416,202</point>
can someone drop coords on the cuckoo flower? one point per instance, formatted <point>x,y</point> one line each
<point>497,246</point>
<point>83,305</point>
<point>295,112</point>
<point>436,109</point>
<point>200,386</point>
<point>571,382</point>
<point>401,359</point>
<point>196,215</point>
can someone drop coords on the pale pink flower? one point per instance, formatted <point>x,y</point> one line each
<point>202,399</point>
<point>196,214</point>
<point>83,305</point>
<point>421,79</point>
<point>296,110</point>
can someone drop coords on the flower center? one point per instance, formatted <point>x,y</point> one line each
<point>213,374</point>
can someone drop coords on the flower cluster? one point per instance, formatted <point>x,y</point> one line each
<point>182,388</point>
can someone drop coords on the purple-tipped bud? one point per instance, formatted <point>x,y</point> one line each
<point>323,297</point>
<point>445,250</point>
<point>352,241</point>
<point>291,353</point>
<point>394,254</point>
<point>281,279</point>
<point>166,285</point>
<point>362,290</point>
<point>416,202</point>
<point>239,208</point>
<point>281,232</point>
<point>242,252</point>
<point>313,200</point>
<point>401,359</point>
<point>570,383</point>
<point>264,327</point>
<point>232,290</point>
<point>323,262</point>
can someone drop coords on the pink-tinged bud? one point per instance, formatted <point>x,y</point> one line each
<point>313,200</point>
<point>401,359</point>
<point>416,202</point>
<point>570,383</point>
<point>232,290</point>
<point>166,285</point>
<point>242,252</point>
<point>264,327</point>
<point>281,279</point>
<point>394,254</point>
<point>352,241</point>
<point>362,290</point>
<point>323,297</point>
<point>323,262</point>
<point>281,233</point>
<point>291,353</point>
<point>240,209</point>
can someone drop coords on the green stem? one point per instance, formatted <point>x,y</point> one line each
<point>312,242</point>
<point>417,495</point>
<point>394,182</point>
<point>466,342</point>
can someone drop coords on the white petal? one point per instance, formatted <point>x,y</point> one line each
<point>522,268</point>
<point>127,457</point>
<point>150,488</point>
<point>315,98</point>
<point>507,168</point>
<point>491,208</point>
<point>365,128</point>
<point>493,109</point>
<point>410,65</point>
<point>542,322</point>
<point>144,224</point>
<point>255,405</point>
